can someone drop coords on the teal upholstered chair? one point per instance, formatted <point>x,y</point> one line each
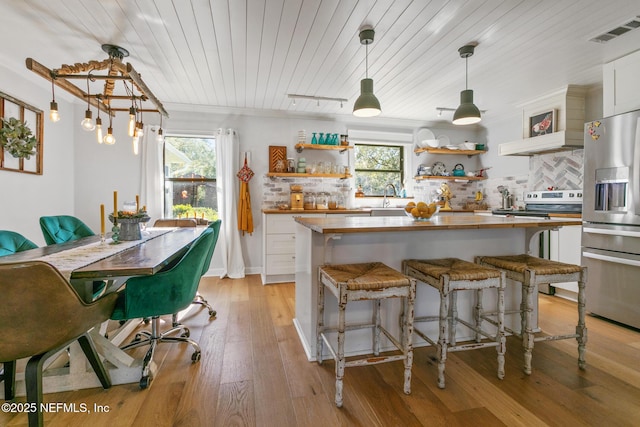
<point>164,293</point>
<point>34,294</point>
<point>199,299</point>
<point>63,228</point>
<point>12,242</point>
<point>67,228</point>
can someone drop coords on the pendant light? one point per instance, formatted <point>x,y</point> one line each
<point>367,105</point>
<point>467,113</point>
<point>54,116</point>
<point>109,139</point>
<point>99,135</point>
<point>87,123</point>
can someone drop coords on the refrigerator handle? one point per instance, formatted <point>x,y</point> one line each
<point>636,170</point>
<point>613,259</point>
<point>611,232</point>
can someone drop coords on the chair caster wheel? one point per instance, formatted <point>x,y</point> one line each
<point>186,333</point>
<point>195,356</point>
<point>137,338</point>
<point>146,320</point>
<point>144,382</point>
<point>212,313</point>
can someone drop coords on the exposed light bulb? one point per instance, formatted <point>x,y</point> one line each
<point>99,136</point>
<point>140,129</point>
<point>87,123</point>
<point>132,121</point>
<point>109,139</point>
<point>160,137</point>
<point>136,144</point>
<point>54,116</point>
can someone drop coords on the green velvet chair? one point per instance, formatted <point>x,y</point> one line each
<point>12,242</point>
<point>66,228</point>
<point>34,294</point>
<point>164,293</point>
<point>199,299</point>
<point>63,228</point>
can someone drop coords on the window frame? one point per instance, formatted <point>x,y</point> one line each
<point>196,181</point>
<point>402,168</point>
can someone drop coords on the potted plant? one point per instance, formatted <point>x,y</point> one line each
<point>17,138</point>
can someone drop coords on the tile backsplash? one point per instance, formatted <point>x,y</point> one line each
<point>562,170</point>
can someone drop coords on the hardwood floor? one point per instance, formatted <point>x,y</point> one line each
<point>253,372</point>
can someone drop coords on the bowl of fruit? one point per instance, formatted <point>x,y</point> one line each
<point>421,211</point>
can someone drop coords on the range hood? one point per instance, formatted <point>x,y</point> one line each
<point>567,105</point>
<point>563,140</point>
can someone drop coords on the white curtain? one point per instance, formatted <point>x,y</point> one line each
<point>152,179</point>
<point>227,165</point>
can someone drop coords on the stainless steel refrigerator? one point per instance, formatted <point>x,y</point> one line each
<point>611,217</point>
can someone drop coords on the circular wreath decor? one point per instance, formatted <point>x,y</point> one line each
<point>17,138</point>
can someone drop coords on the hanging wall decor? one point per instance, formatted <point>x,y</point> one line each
<point>20,136</point>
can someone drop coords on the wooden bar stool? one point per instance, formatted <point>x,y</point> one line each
<point>448,276</point>
<point>531,271</point>
<point>366,281</point>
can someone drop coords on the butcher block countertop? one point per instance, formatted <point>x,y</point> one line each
<point>366,224</point>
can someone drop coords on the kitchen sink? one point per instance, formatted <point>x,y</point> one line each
<point>387,211</point>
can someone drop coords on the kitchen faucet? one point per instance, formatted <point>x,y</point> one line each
<point>385,202</point>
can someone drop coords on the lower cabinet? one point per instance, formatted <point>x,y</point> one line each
<point>565,247</point>
<point>279,245</point>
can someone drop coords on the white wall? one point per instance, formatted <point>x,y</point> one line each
<point>24,198</point>
<point>258,130</point>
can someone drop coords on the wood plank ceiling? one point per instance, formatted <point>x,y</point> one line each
<point>249,54</point>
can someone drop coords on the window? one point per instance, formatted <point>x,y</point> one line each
<point>190,177</point>
<point>376,166</point>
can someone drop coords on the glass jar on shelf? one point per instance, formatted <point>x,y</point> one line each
<point>322,200</point>
<point>336,201</point>
<point>309,201</point>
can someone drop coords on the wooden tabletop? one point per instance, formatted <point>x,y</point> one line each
<point>440,222</point>
<point>147,258</point>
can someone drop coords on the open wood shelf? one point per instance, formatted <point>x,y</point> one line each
<point>308,175</point>
<point>341,148</point>
<point>438,150</point>
<point>450,178</point>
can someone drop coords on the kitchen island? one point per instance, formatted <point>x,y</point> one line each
<point>341,240</point>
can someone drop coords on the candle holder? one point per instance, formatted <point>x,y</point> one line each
<point>127,229</point>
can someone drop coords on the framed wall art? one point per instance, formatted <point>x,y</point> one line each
<point>21,136</point>
<point>542,123</point>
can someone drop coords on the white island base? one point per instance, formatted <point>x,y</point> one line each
<point>391,240</point>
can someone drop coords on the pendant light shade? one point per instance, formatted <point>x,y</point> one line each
<point>367,105</point>
<point>467,113</point>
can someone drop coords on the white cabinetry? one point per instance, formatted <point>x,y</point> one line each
<point>279,245</point>
<point>621,85</point>
<point>564,246</point>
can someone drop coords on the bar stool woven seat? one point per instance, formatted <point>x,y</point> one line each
<point>366,281</point>
<point>448,276</point>
<point>532,271</point>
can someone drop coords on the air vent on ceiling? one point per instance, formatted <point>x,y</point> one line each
<point>618,31</point>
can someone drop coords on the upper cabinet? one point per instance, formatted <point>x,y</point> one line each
<point>551,123</point>
<point>620,85</point>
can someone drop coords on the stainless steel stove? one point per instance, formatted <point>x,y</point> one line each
<point>544,203</point>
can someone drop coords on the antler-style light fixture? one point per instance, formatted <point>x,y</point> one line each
<point>115,70</point>
<point>367,105</point>
<point>467,113</point>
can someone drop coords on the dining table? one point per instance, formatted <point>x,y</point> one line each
<point>95,258</point>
